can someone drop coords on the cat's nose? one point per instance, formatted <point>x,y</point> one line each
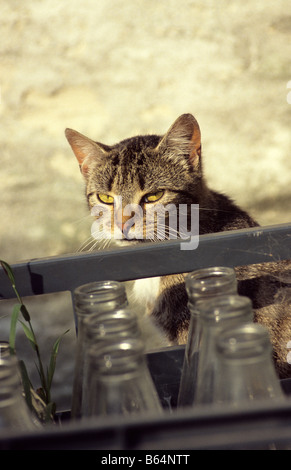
<point>122,224</point>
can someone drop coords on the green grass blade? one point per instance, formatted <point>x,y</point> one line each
<point>50,410</point>
<point>29,334</point>
<point>10,275</point>
<point>53,360</point>
<point>13,323</point>
<point>25,313</point>
<point>26,384</point>
<point>8,271</point>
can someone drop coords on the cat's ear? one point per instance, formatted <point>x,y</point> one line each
<point>183,139</point>
<point>85,149</point>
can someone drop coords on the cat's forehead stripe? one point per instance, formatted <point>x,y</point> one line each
<point>129,164</point>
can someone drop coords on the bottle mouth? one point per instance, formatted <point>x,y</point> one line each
<point>210,281</point>
<point>117,357</point>
<point>122,322</point>
<point>225,307</point>
<point>98,292</point>
<point>246,341</point>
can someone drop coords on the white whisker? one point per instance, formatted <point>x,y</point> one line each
<point>86,243</point>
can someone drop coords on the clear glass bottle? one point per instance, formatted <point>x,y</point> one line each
<point>216,315</point>
<point>90,300</point>
<point>117,326</point>
<point>14,412</point>
<point>201,284</point>
<point>4,349</point>
<point>246,369</point>
<point>120,380</point>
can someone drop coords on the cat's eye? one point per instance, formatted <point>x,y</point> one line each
<point>106,198</point>
<point>153,197</point>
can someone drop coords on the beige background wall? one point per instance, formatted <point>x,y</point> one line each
<point>112,69</point>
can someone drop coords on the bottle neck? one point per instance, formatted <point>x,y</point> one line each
<point>4,349</point>
<point>10,385</point>
<point>246,369</point>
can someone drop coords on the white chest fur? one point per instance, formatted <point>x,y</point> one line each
<point>145,291</point>
<point>142,295</point>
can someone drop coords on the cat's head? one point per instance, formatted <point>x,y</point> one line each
<point>140,176</point>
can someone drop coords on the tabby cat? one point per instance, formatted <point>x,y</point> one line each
<point>150,170</point>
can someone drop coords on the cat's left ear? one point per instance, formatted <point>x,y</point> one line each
<point>184,138</point>
<point>85,149</point>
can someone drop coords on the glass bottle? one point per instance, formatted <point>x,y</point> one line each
<point>120,380</point>
<point>115,326</point>
<point>4,349</point>
<point>14,412</point>
<point>246,368</point>
<point>216,315</point>
<point>90,300</point>
<point>201,284</point>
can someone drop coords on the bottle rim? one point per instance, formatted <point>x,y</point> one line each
<point>210,280</point>
<point>246,341</point>
<point>115,356</point>
<point>99,287</point>
<point>99,291</point>
<point>119,314</point>
<point>224,307</point>
<point>116,322</point>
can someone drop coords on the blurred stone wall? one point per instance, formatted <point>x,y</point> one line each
<point>114,69</point>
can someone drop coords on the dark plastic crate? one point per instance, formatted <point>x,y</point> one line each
<point>256,426</point>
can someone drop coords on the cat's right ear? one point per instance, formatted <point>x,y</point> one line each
<point>183,139</point>
<point>85,149</point>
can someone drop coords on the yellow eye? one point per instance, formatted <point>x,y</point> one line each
<point>106,198</point>
<point>153,197</point>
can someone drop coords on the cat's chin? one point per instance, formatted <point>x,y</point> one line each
<point>124,242</point>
